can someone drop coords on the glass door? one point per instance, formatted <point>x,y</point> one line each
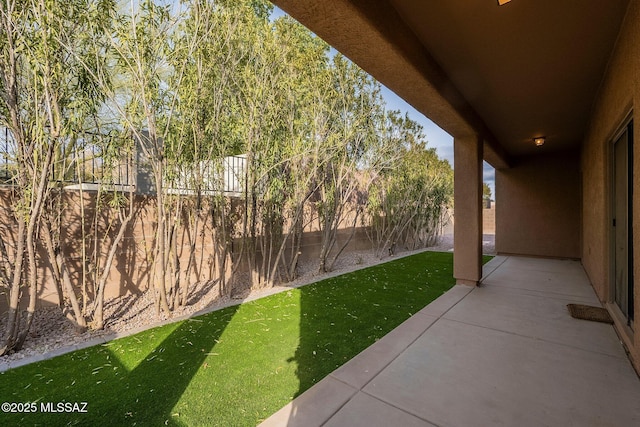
<point>622,222</point>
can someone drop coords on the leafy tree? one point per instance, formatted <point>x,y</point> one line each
<point>210,46</point>
<point>354,105</point>
<point>486,191</point>
<point>303,83</point>
<point>407,204</point>
<point>141,48</point>
<point>188,85</point>
<point>46,96</point>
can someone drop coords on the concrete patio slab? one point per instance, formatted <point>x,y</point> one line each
<point>581,299</point>
<point>365,366</point>
<point>450,298</point>
<point>314,406</point>
<point>492,265</point>
<point>552,278</point>
<point>505,353</point>
<point>457,374</point>
<point>523,263</point>
<point>541,316</point>
<point>364,411</point>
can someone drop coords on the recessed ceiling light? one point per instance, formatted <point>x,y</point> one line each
<point>539,141</point>
<point>503,2</point>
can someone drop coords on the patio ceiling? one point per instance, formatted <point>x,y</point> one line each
<point>508,73</point>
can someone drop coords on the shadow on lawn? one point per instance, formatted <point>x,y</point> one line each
<point>119,391</point>
<point>341,317</point>
<point>148,393</point>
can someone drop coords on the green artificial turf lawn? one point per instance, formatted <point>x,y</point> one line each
<point>235,366</point>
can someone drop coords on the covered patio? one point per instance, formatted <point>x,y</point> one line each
<point>547,93</point>
<point>506,352</point>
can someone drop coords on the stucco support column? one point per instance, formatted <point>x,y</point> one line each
<point>467,243</point>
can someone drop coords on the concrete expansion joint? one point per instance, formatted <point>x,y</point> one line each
<point>401,409</point>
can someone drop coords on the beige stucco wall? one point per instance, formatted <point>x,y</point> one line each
<point>539,206</point>
<point>131,270</point>
<point>467,234</point>
<point>489,220</point>
<point>619,97</point>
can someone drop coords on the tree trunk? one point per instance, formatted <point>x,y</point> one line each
<point>61,277</point>
<point>161,250</point>
<point>98,317</point>
<point>34,219</point>
<point>10,335</point>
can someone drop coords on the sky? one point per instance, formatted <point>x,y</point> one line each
<point>435,136</point>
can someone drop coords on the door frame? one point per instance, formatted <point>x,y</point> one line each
<point>627,126</point>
